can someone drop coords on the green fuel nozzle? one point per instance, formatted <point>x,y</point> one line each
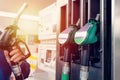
<point>87,34</point>
<point>84,36</point>
<point>66,38</point>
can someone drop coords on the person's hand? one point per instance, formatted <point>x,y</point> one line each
<point>15,55</point>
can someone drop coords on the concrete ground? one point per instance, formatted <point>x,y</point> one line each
<point>41,75</point>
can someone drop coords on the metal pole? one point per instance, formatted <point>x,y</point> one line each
<point>113,40</point>
<point>106,38</point>
<point>89,9</point>
<point>102,33</point>
<point>69,8</point>
<point>81,12</point>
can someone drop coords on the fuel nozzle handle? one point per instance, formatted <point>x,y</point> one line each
<point>66,38</point>
<point>14,41</point>
<point>84,36</point>
<point>87,33</point>
<point>8,40</point>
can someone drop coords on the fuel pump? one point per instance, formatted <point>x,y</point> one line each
<point>84,37</point>
<point>66,39</point>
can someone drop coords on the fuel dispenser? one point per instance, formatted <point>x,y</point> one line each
<point>70,38</point>
<point>83,45</point>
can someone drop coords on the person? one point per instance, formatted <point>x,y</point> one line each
<point>16,56</point>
